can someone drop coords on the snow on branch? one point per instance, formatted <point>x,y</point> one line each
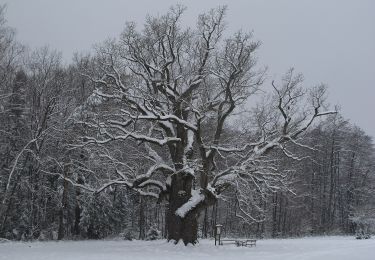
<point>196,198</point>
<point>170,118</point>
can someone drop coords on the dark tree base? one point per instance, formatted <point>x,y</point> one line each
<point>185,229</point>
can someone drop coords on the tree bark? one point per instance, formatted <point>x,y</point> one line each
<point>185,229</point>
<point>64,204</point>
<point>141,222</point>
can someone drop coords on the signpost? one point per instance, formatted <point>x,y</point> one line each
<point>218,233</point>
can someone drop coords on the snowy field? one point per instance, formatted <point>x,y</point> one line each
<point>332,248</point>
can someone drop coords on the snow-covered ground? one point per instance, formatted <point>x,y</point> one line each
<point>332,248</point>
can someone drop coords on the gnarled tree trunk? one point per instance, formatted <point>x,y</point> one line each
<point>186,228</point>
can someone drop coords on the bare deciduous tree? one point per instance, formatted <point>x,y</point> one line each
<point>168,85</point>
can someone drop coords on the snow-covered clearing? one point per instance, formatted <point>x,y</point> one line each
<point>321,248</point>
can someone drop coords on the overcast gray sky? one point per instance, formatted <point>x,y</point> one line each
<point>329,41</point>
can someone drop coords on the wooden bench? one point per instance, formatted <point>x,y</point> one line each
<point>239,242</point>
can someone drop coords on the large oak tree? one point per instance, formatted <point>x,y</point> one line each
<point>172,91</point>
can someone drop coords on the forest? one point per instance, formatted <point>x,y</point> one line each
<point>166,131</point>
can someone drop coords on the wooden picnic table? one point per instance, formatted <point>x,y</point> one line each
<point>239,242</point>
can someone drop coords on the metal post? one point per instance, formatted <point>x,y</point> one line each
<point>218,233</point>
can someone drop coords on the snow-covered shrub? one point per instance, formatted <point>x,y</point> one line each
<point>102,216</point>
<point>365,225</point>
<point>4,240</point>
<point>43,236</point>
<point>128,236</point>
<point>153,233</point>
<point>129,233</point>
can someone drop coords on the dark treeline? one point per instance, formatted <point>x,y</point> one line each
<point>48,178</point>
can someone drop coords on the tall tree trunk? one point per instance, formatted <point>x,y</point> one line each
<point>205,223</point>
<point>186,228</point>
<point>61,231</point>
<point>64,203</point>
<point>142,220</point>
